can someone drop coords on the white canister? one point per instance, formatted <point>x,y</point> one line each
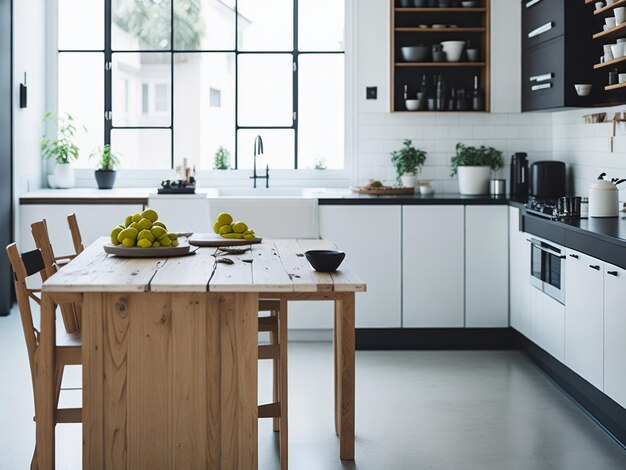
<point>603,199</point>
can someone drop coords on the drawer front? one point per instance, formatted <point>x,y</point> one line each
<point>542,20</point>
<point>543,78</point>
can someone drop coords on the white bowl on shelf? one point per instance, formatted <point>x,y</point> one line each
<point>583,89</point>
<point>453,50</point>
<point>411,105</point>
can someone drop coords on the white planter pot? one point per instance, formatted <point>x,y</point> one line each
<point>409,180</point>
<point>474,180</point>
<point>63,175</point>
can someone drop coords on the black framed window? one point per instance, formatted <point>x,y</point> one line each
<point>163,80</point>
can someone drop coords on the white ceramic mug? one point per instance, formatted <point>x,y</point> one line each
<point>620,13</point>
<point>617,50</point>
<point>610,22</point>
<point>599,5</point>
<point>610,2</point>
<point>622,77</point>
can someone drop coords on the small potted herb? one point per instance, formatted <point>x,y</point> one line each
<point>473,166</point>
<point>221,159</point>
<point>62,149</point>
<point>408,162</point>
<point>108,160</point>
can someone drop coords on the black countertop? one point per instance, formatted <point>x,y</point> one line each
<point>331,199</point>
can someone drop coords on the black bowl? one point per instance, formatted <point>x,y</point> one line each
<point>325,261</point>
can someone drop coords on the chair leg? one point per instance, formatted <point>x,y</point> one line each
<point>283,394</point>
<point>275,372</point>
<point>34,464</point>
<point>58,379</point>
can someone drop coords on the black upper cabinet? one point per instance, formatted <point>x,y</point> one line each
<point>558,52</point>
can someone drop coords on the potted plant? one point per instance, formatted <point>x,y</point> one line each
<point>108,160</point>
<point>408,162</point>
<point>221,159</point>
<point>62,149</point>
<point>474,165</point>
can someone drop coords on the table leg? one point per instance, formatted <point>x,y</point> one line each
<point>45,387</point>
<point>345,344</point>
<point>337,367</point>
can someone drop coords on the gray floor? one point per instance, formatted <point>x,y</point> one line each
<point>415,410</point>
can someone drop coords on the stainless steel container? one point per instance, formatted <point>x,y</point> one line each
<point>569,206</point>
<point>498,187</point>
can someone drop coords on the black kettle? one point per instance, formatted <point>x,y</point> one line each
<point>519,174</point>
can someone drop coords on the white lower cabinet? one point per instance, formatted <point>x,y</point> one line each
<point>486,267</point>
<point>519,271</point>
<point>615,333</point>
<point>371,238</point>
<point>94,220</point>
<point>433,266</point>
<point>547,323</point>
<point>584,323</point>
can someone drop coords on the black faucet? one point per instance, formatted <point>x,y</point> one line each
<point>258,150</point>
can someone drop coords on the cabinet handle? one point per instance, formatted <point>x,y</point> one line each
<point>612,273</point>
<point>573,256</point>
<point>541,29</point>
<point>594,266</point>
<point>541,87</point>
<point>531,3</point>
<point>541,78</point>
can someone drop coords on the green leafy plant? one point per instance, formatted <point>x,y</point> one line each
<point>467,155</point>
<point>221,159</point>
<point>62,149</point>
<point>408,159</point>
<point>107,158</point>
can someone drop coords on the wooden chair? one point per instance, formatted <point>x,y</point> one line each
<point>68,349</point>
<point>276,325</point>
<point>71,313</point>
<point>77,240</point>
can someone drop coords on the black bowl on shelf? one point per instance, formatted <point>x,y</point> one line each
<point>325,261</point>
<point>417,53</point>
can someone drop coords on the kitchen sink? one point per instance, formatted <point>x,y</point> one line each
<point>269,192</point>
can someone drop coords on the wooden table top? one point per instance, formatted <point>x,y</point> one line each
<point>272,266</point>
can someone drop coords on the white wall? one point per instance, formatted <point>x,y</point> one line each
<point>586,148</point>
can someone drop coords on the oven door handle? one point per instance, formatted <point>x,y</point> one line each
<point>546,250</point>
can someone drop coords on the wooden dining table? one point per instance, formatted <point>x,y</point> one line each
<point>170,350</point>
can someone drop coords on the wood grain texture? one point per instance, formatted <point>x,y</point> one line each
<point>188,274</point>
<point>303,276</point>
<point>268,272</point>
<point>345,350</point>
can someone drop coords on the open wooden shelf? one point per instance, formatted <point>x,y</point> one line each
<point>618,3</point>
<point>615,87</point>
<point>441,64</point>
<point>441,30</point>
<point>438,10</point>
<point>612,33</point>
<point>608,63</point>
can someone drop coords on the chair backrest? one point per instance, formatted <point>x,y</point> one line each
<point>24,266</point>
<point>77,240</point>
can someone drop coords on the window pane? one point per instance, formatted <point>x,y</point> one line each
<point>81,93</point>
<point>321,111</point>
<point>204,24</point>
<point>141,24</point>
<point>81,24</point>
<point>265,25</point>
<point>200,126</point>
<point>142,148</point>
<point>141,87</point>
<point>265,90</point>
<point>278,146</point>
<point>314,13</point>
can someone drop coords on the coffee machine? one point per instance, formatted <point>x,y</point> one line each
<point>519,175</point>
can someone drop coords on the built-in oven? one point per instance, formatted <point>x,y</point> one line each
<point>547,268</point>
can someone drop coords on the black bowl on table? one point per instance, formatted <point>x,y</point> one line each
<point>325,261</point>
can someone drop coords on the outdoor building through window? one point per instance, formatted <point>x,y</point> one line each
<point>163,80</point>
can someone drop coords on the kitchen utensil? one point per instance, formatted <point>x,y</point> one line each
<point>405,3</point>
<point>417,53</point>
<point>547,179</point>
<point>519,175</point>
<point>438,54</point>
<point>425,188</point>
<point>569,206</point>
<point>472,55</point>
<point>438,26</point>
<point>453,50</point>
<point>419,3</point>
<point>497,187</point>
<point>610,22</point>
<point>603,198</point>
<point>583,89</point>
<point>599,5</point>
<point>621,77</point>
<point>619,15</point>
<point>470,3</point>
<point>325,261</point>
<point>137,252</point>
<point>617,50</point>
<point>214,240</point>
<point>608,53</point>
<point>412,105</point>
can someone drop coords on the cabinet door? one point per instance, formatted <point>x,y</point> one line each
<point>486,266</point>
<point>371,238</point>
<point>584,325</point>
<point>519,269</point>
<point>543,76</point>
<point>542,20</point>
<point>615,333</point>
<point>524,287</point>
<point>432,266</point>
<point>553,328</point>
<point>94,220</point>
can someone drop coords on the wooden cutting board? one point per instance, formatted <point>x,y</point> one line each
<point>137,252</point>
<point>211,239</point>
<point>385,191</point>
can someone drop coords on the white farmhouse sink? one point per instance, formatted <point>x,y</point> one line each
<point>268,192</point>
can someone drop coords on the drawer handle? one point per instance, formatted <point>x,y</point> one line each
<point>594,266</point>
<point>541,29</point>
<point>541,78</point>
<point>541,87</point>
<point>531,3</point>
<point>573,256</point>
<point>612,273</point>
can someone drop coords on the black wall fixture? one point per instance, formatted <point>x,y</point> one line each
<point>23,93</point>
<point>6,152</point>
